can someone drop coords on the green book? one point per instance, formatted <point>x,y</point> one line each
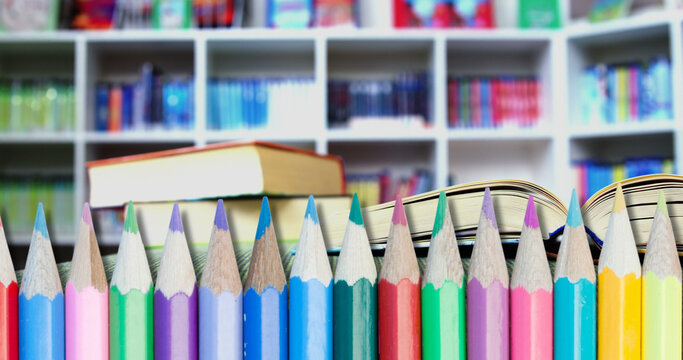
<point>539,14</point>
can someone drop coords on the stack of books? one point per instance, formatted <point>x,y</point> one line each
<point>261,102</point>
<point>618,93</point>
<point>489,102</point>
<point>36,105</point>
<point>238,172</point>
<point>153,102</point>
<point>403,99</point>
<point>593,175</point>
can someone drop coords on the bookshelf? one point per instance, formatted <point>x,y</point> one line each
<point>542,154</point>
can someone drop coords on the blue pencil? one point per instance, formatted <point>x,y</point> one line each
<point>41,302</point>
<point>220,297</point>
<point>265,296</point>
<point>310,294</point>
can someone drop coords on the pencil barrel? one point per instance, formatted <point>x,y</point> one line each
<point>399,320</point>
<point>265,324</point>
<point>619,311</point>
<point>87,323</point>
<point>662,303</point>
<point>355,320</point>
<point>131,324</point>
<point>9,322</point>
<point>443,322</point>
<point>220,325</point>
<point>488,321</point>
<point>575,319</point>
<point>41,327</point>
<point>175,326</point>
<point>310,319</point>
<point>531,324</point>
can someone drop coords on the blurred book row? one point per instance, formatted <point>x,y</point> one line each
<point>381,187</point>
<point>617,93</point>
<point>153,102</point>
<point>403,99</point>
<point>593,175</point>
<point>36,105</point>
<point>275,103</point>
<point>182,14</point>
<point>486,102</point>
<point>20,196</point>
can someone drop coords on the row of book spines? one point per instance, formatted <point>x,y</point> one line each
<point>36,105</point>
<point>591,176</point>
<point>167,104</point>
<point>20,197</point>
<point>405,95</point>
<point>378,188</point>
<point>627,92</point>
<point>444,14</point>
<point>493,102</point>
<point>255,103</point>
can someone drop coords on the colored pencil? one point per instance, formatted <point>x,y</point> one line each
<point>175,297</point>
<point>220,296</point>
<point>265,295</point>
<point>41,301</point>
<point>355,293</point>
<point>531,295</point>
<point>662,299</point>
<point>9,307</point>
<point>574,292</point>
<point>310,293</point>
<point>87,300</point>
<point>131,325</point>
<point>399,293</point>
<point>488,294</point>
<point>619,288</point>
<point>443,292</point>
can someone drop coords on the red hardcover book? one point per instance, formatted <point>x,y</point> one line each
<point>115,108</point>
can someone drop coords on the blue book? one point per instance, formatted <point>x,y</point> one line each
<point>127,107</point>
<point>101,107</point>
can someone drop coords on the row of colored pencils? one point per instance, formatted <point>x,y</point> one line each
<point>355,314</point>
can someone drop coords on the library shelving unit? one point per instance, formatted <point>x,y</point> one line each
<point>542,154</point>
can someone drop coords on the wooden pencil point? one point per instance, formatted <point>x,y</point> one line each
<point>355,214</point>
<point>7,274</point>
<point>619,203</point>
<point>176,272</point>
<point>399,257</point>
<point>221,272</point>
<point>40,275</point>
<point>265,268</point>
<point>661,203</point>
<point>443,260</point>
<point>87,268</point>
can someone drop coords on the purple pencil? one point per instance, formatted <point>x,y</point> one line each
<point>488,294</point>
<point>175,298</point>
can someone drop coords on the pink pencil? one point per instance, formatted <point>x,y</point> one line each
<point>87,300</point>
<point>531,298</point>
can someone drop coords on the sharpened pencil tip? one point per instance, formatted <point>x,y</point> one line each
<point>176,223</point>
<point>310,210</point>
<point>574,218</point>
<point>399,216</point>
<point>440,214</point>
<point>661,203</point>
<point>487,208</point>
<point>131,223</point>
<point>86,216</point>
<point>531,218</point>
<point>619,203</point>
<point>220,220</point>
<point>356,216</point>
<point>264,218</point>
<point>40,224</point>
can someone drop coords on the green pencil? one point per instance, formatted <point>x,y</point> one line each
<point>131,301</point>
<point>443,294</point>
<point>355,293</point>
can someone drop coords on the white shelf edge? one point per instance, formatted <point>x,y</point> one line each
<point>381,135</point>
<point>38,137</point>
<point>503,134</point>
<point>615,27</point>
<point>617,130</point>
<point>140,137</point>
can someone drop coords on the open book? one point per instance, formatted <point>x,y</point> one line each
<point>509,198</point>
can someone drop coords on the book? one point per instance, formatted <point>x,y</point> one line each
<point>218,170</point>
<point>242,216</point>
<point>510,200</point>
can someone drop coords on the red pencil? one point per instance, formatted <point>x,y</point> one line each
<point>9,324</point>
<point>399,294</point>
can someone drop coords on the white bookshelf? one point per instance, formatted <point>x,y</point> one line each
<point>543,154</point>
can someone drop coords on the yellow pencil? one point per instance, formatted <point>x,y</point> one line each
<point>619,289</point>
<point>662,297</point>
